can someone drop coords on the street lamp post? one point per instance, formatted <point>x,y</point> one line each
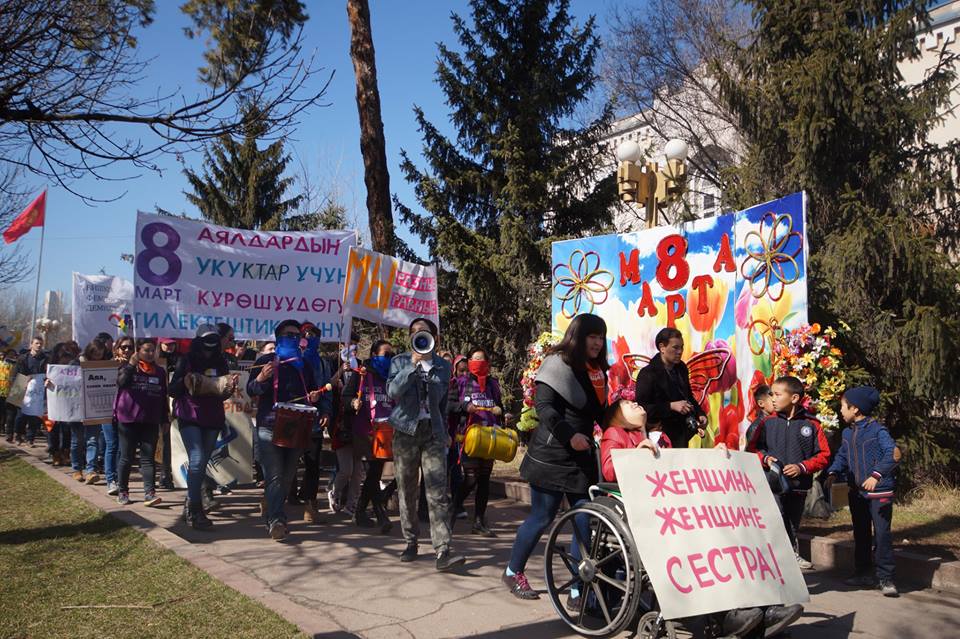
<point>649,183</point>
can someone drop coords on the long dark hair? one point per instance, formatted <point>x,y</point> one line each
<point>96,343</point>
<point>573,347</point>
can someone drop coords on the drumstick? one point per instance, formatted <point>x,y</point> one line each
<point>325,389</point>
<point>282,361</point>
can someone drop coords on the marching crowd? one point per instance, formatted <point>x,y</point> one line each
<point>414,409</point>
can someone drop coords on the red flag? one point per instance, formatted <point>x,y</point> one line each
<point>32,216</point>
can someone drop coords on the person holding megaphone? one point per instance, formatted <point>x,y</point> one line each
<point>418,382</point>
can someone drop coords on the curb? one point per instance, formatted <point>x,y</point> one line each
<point>306,619</point>
<point>833,554</point>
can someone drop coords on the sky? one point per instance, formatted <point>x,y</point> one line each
<point>87,238</point>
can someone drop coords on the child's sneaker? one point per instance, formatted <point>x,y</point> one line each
<point>888,588</point>
<point>123,498</point>
<point>803,563</point>
<point>151,499</point>
<point>113,488</point>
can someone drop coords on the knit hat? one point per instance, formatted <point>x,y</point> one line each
<point>865,398</point>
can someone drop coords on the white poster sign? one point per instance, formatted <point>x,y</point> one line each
<point>34,397</point>
<point>65,395</point>
<point>189,272</point>
<point>385,290</point>
<point>232,460</point>
<point>99,391</point>
<point>708,530</point>
<point>101,304</point>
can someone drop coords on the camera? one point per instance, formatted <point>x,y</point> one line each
<point>692,423</point>
<point>423,342</point>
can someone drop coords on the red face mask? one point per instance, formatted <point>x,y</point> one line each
<point>480,368</point>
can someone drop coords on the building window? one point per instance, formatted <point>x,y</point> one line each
<point>709,204</point>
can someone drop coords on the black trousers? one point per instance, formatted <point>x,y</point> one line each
<point>791,507</point>
<point>310,486</point>
<point>10,420</point>
<point>131,436</point>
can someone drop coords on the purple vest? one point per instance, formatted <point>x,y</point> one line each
<point>470,388</point>
<point>206,411</point>
<point>144,399</point>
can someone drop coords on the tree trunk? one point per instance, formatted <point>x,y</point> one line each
<point>372,145</point>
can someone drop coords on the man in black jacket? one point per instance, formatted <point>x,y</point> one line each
<point>663,389</point>
<point>33,362</point>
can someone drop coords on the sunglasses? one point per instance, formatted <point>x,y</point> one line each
<point>125,347</point>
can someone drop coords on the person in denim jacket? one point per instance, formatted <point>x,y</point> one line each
<point>868,459</point>
<point>419,384</point>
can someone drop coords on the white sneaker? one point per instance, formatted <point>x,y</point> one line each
<point>113,488</point>
<point>803,563</point>
<point>332,501</point>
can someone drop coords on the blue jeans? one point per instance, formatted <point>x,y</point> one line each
<point>544,505</point>
<point>28,424</point>
<point>279,467</point>
<point>83,446</point>
<point>876,514</point>
<point>111,450</point>
<point>199,443</point>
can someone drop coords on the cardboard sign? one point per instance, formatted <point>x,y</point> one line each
<point>385,290</point>
<point>18,388</point>
<point>708,530</point>
<point>189,272</point>
<point>99,391</point>
<point>65,397</point>
<point>232,460</point>
<point>730,284</point>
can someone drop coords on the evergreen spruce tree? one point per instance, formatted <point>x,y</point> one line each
<point>243,186</point>
<point>823,107</point>
<point>517,174</point>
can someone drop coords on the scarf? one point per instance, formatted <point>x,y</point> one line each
<point>599,382</point>
<point>288,350</point>
<point>147,368</point>
<point>311,352</point>
<point>481,370</point>
<point>381,364</point>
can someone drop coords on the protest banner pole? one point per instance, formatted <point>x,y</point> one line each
<point>36,290</point>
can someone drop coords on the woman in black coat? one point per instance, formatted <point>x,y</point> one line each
<point>570,398</point>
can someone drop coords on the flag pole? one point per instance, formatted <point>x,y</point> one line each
<point>36,291</point>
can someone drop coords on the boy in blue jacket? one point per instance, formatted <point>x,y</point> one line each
<point>866,458</point>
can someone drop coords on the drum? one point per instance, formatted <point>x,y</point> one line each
<point>490,442</point>
<point>382,441</point>
<point>293,424</point>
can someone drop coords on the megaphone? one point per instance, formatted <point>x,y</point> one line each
<point>423,342</point>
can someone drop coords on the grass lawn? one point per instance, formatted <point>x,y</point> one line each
<point>55,550</point>
<point>927,521</point>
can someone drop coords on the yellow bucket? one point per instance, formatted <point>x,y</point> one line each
<point>490,442</point>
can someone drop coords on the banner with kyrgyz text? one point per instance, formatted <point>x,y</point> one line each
<point>383,289</point>
<point>708,531</point>
<point>189,272</point>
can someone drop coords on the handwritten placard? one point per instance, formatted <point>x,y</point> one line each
<point>65,393</point>
<point>34,403</point>
<point>99,391</point>
<point>708,530</point>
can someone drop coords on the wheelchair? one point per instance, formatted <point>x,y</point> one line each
<point>603,562</point>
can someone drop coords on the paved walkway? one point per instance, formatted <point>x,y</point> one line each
<point>335,580</point>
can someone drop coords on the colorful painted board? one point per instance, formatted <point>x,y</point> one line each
<point>728,283</point>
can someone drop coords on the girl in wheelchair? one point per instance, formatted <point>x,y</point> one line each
<point>625,426</point>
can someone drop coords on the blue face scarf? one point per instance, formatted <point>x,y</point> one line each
<point>312,353</point>
<point>381,364</point>
<point>288,348</point>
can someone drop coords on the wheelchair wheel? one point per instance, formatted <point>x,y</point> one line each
<point>651,626</point>
<point>608,574</point>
